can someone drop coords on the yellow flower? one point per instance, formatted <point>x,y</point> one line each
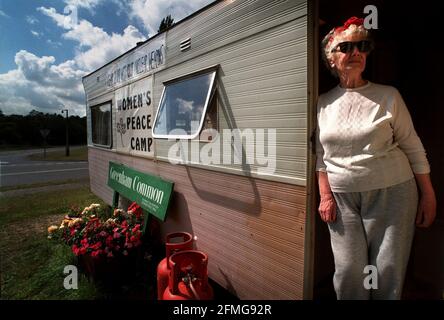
<point>65,222</point>
<point>94,205</point>
<point>118,212</point>
<point>51,229</point>
<point>74,222</point>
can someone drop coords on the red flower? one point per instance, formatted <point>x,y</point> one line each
<point>96,253</point>
<point>84,242</point>
<point>75,250</point>
<point>135,209</point>
<point>91,235</point>
<point>96,245</point>
<point>109,241</point>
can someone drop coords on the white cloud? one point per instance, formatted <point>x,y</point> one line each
<point>54,44</point>
<point>42,84</point>
<point>151,12</point>
<point>86,34</point>
<point>3,14</point>
<point>35,33</point>
<point>109,48</point>
<point>31,20</point>
<point>87,4</point>
<point>95,46</point>
<point>62,21</point>
<point>38,83</point>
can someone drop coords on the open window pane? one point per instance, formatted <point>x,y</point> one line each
<point>183,106</point>
<point>101,124</point>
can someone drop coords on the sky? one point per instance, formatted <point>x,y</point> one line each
<point>47,46</point>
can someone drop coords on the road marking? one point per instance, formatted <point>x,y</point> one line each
<point>41,164</point>
<point>3,162</point>
<point>46,171</point>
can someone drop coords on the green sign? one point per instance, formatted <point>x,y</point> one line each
<point>151,193</point>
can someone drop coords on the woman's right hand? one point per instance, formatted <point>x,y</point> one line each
<point>327,208</point>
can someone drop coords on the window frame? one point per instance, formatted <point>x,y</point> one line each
<point>211,92</point>
<point>110,103</point>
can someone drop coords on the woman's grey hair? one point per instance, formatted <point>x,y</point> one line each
<point>333,38</point>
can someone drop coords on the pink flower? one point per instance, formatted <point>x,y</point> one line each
<point>110,254</point>
<point>116,235</point>
<point>125,253</point>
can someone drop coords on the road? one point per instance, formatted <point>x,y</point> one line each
<point>16,169</point>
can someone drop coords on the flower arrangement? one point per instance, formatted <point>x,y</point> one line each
<point>93,233</point>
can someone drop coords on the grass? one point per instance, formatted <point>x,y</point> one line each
<point>31,265</point>
<point>18,147</point>
<point>77,154</point>
<point>43,184</point>
<point>37,205</point>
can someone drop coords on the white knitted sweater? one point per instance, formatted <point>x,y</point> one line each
<point>366,139</point>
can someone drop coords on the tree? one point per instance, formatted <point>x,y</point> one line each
<point>166,23</point>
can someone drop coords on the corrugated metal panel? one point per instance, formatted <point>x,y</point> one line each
<point>228,22</point>
<point>253,230</point>
<point>262,79</point>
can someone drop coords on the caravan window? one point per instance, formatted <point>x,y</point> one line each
<point>183,106</point>
<point>101,124</point>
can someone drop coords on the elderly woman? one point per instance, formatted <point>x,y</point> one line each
<point>368,156</point>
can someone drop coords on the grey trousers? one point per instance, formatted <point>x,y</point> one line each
<point>373,228</point>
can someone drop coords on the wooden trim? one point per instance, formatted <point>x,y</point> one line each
<point>312,55</point>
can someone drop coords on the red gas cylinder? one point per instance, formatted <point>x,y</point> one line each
<point>188,277</point>
<point>175,242</point>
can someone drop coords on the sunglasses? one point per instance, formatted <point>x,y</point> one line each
<point>348,46</point>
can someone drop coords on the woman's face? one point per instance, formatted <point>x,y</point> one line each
<point>351,63</point>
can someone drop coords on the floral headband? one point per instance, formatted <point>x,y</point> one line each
<point>353,20</point>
